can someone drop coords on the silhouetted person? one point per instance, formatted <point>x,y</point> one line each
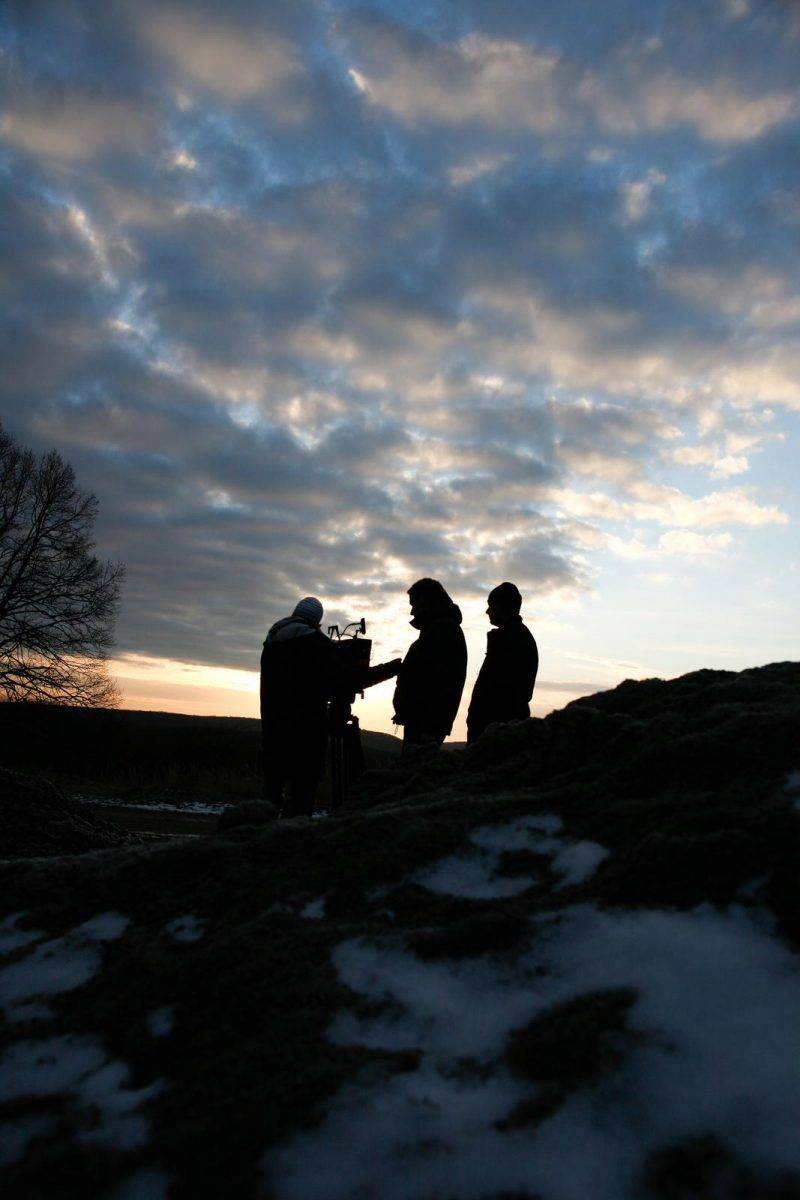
<point>300,672</point>
<point>504,685</point>
<point>432,674</point>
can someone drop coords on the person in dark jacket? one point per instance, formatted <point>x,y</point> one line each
<point>504,685</point>
<point>432,674</point>
<point>300,672</point>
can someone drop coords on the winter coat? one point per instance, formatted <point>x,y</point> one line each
<point>432,675</point>
<point>505,683</point>
<point>300,671</point>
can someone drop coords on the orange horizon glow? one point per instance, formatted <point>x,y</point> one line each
<point>192,689</point>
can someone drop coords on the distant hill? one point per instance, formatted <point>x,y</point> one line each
<point>144,753</point>
<point>562,963</point>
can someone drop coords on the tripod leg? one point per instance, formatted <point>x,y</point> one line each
<point>337,782</point>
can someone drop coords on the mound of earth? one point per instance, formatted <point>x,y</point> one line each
<point>559,964</point>
<point>38,821</point>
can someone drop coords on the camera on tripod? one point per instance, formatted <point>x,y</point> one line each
<point>353,651</point>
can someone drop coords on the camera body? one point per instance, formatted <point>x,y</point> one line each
<point>354,652</point>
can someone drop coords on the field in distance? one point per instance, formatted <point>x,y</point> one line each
<point>135,757</point>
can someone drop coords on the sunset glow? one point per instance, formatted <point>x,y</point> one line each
<point>323,298</point>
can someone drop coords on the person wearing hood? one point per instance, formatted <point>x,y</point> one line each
<point>431,677</point>
<point>300,673</point>
<point>505,683</point>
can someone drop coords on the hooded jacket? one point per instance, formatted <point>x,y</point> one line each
<point>504,685</point>
<point>432,675</point>
<point>300,671</point>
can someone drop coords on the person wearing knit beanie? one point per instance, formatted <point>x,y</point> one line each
<point>302,671</point>
<point>310,609</point>
<point>505,683</point>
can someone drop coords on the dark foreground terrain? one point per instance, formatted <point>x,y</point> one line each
<point>560,964</point>
<point>166,772</point>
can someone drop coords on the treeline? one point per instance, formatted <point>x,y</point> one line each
<point>131,753</point>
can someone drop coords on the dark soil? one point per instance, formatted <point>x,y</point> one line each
<point>683,782</point>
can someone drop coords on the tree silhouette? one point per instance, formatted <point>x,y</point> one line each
<point>57,600</point>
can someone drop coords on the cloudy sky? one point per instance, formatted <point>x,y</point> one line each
<point>322,297</point>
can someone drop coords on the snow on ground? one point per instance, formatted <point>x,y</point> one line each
<point>78,1067</point>
<point>12,938</point>
<point>54,966</point>
<point>473,873</point>
<point>792,787</point>
<point>68,1065</point>
<point>186,929</point>
<point>717,1005</point>
<point>106,927</point>
<point>199,807</point>
<point>314,910</point>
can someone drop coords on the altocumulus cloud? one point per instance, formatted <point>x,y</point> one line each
<point>326,297</point>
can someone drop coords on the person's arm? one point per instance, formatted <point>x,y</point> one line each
<point>380,673</point>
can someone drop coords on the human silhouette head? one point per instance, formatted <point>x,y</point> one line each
<point>504,603</point>
<point>425,596</point>
<point>309,609</point>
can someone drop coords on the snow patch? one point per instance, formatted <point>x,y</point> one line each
<point>716,1009</point>
<point>471,875</point>
<point>78,1066</point>
<point>160,1022</point>
<point>198,807</point>
<point>106,927</point>
<point>186,929</point>
<point>474,872</point>
<point>451,1009</point>
<point>12,938</point>
<point>577,861</point>
<point>792,787</point>
<point>515,834</point>
<point>58,965</point>
<point>314,910</point>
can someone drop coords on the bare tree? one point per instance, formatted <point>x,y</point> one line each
<point>57,600</point>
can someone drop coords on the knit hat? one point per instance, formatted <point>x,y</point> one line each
<point>310,609</point>
<point>507,594</point>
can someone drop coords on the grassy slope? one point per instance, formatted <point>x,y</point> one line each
<point>681,781</point>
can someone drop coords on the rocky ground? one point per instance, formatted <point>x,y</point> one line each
<point>559,964</point>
